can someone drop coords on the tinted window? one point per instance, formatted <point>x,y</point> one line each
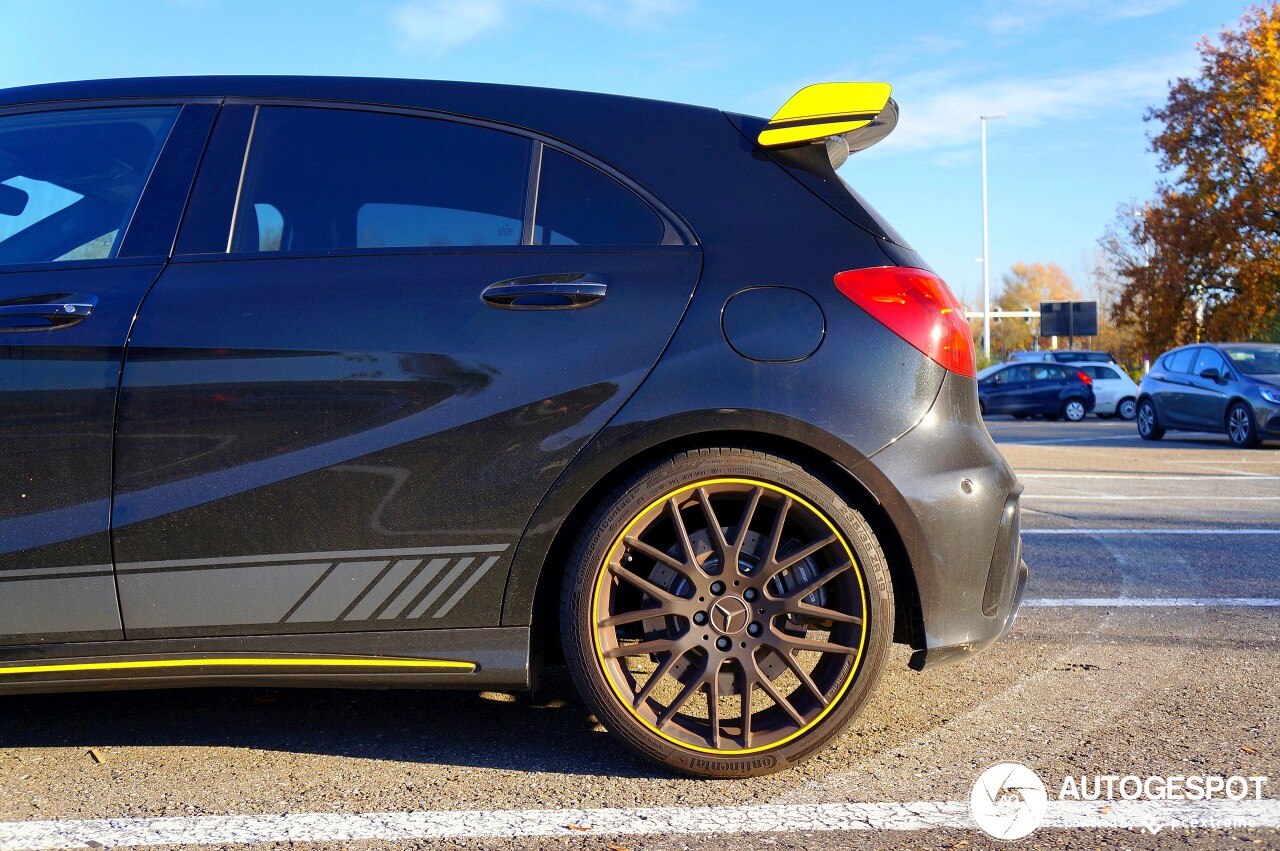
<point>1180,361</point>
<point>1048,373</point>
<point>580,205</point>
<point>69,180</point>
<point>1209,359</point>
<point>1256,360</point>
<point>342,179</point>
<point>1091,357</point>
<point>1018,373</point>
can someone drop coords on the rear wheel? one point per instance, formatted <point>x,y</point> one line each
<point>1241,426</point>
<point>1148,425</point>
<point>1127,409</point>
<point>1073,410</point>
<point>726,614</point>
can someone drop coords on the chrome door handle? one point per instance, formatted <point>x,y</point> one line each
<point>70,309</point>
<point>545,292</point>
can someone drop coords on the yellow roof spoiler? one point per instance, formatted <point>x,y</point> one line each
<point>863,113</point>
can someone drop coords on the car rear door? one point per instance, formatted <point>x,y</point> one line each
<point>1206,399</point>
<point>1173,387</point>
<point>80,244</point>
<point>382,339</point>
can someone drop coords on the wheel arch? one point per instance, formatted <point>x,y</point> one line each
<point>539,565</point>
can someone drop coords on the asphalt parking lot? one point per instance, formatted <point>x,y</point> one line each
<point>1150,646</point>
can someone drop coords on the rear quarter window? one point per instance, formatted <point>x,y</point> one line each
<point>578,204</point>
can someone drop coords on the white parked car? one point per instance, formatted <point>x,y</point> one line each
<point>1116,392</point>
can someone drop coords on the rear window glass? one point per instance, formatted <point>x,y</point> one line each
<point>328,179</point>
<point>70,179</point>
<point>1180,361</point>
<point>580,205</point>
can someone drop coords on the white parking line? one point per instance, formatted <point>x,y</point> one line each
<point>1152,498</point>
<point>1152,477</point>
<point>1150,531</point>
<point>516,824</point>
<point>1151,602</point>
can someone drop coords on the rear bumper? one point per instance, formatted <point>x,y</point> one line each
<point>955,504</point>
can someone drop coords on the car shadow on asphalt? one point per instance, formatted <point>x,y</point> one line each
<point>547,731</point>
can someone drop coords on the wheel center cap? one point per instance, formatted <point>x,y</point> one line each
<point>729,615</point>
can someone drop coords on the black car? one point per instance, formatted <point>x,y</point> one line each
<point>1230,388</point>
<point>1043,389</point>
<point>390,383</point>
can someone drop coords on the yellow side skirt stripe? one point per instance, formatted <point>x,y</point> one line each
<point>238,662</point>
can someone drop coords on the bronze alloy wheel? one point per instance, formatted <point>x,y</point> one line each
<point>729,615</point>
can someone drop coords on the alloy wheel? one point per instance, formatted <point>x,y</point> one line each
<point>1128,409</point>
<point>730,616</point>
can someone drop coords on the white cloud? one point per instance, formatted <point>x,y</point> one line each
<point>1032,14</point>
<point>936,117</point>
<point>439,25</point>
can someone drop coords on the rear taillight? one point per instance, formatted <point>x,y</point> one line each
<point>917,306</point>
<point>1084,376</point>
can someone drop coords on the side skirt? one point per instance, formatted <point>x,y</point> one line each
<point>446,658</point>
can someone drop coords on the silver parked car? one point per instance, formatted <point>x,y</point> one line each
<point>1231,388</point>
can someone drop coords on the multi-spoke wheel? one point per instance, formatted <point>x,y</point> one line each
<point>727,613</point>
<point>1241,427</point>
<point>1149,427</point>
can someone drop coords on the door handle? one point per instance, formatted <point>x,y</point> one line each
<point>60,310</point>
<point>545,292</point>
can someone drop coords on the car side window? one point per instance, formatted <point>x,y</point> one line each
<point>580,205</point>
<point>1180,361</point>
<point>1104,373</point>
<point>1209,359</point>
<point>321,179</point>
<point>70,179</point>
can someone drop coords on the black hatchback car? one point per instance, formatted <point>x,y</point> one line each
<point>1229,388</point>
<point>1048,390</point>
<point>388,383</point>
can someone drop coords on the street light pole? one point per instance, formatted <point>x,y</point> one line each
<point>986,247</point>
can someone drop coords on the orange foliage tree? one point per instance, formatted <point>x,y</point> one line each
<point>1202,260</point>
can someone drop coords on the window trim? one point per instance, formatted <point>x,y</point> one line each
<point>677,235</point>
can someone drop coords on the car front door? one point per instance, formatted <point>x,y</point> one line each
<point>80,244</point>
<point>369,362</point>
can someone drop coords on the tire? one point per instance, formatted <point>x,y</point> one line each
<point>1073,410</point>
<point>1149,427</point>
<point>719,622</point>
<point>1242,426</point>
<point>1127,409</point>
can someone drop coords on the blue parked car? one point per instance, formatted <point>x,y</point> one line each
<point>1023,390</point>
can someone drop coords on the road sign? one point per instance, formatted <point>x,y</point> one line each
<point>1068,318</point>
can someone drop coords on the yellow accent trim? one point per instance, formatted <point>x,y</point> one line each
<point>239,662</point>
<point>816,105</point>
<point>604,573</point>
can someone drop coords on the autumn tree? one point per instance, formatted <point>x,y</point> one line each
<point>1024,286</point>
<point>1202,259</point>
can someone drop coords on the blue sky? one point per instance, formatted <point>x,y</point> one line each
<point>1075,77</point>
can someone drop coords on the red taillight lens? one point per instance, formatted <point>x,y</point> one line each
<point>917,306</point>
<point>1084,376</point>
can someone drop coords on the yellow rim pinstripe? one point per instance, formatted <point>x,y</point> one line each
<point>237,662</point>
<point>602,574</point>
